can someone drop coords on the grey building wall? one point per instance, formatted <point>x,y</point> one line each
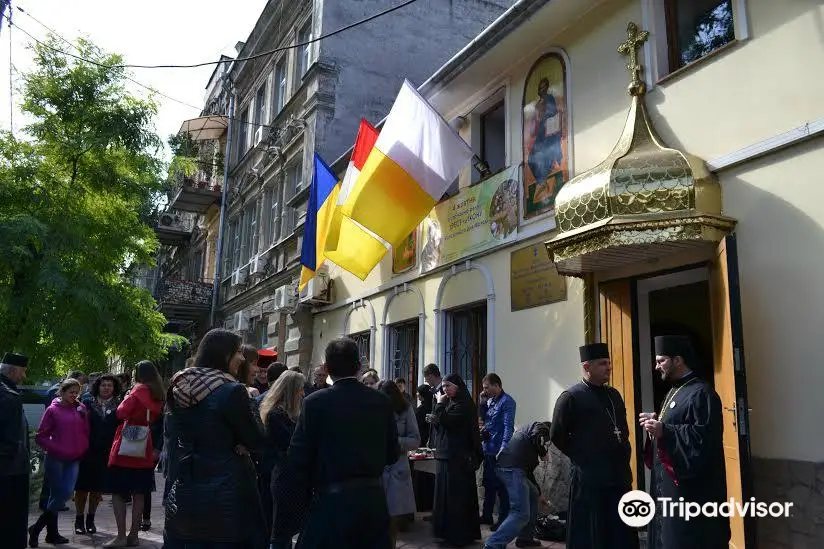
<point>353,75</point>
<point>372,60</point>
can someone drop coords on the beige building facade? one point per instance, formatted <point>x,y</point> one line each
<point>685,202</point>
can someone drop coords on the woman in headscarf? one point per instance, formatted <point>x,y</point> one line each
<point>424,408</point>
<point>458,454</point>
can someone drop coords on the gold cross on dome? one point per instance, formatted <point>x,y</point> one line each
<point>629,48</point>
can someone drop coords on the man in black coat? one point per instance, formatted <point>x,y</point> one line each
<point>590,427</point>
<point>14,454</point>
<point>344,438</point>
<point>685,451</point>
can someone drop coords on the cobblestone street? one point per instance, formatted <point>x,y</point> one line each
<point>418,537</point>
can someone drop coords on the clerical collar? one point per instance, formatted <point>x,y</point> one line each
<point>684,379</point>
<point>590,384</point>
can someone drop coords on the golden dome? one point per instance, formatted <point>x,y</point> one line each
<point>644,201</point>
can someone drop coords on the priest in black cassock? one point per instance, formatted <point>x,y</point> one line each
<point>590,426</point>
<point>685,452</point>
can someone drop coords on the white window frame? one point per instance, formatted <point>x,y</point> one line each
<point>260,110</point>
<point>280,87</point>
<point>476,128</point>
<point>304,60</point>
<point>656,49</point>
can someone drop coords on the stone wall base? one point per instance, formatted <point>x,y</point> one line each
<point>799,482</point>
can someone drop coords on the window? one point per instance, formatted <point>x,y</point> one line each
<point>274,215</point>
<point>466,345</point>
<point>249,242</point>
<point>294,179</point>
<point>304,52</point>
<point>493,137</point>
<point>243,133</point>
<point>260,106</point>
<point>363,339</point>
<point>696,28</point>
<point>253,230</point>
<point>403,353</point>
<point>196,265</point>
<point>262,332</point>
<point>236,244</point>
<point>280,86</point>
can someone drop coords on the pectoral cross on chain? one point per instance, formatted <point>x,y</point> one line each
<point>617,433</point>
<point>629,48</point>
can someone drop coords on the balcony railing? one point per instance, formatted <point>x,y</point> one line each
<point>182,292</point>
<point>196,193</point>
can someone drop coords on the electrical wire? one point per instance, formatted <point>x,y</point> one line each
<point>11,81</point>
<point>250,57</point>
<point>71,44</point>
<point>85,60</point>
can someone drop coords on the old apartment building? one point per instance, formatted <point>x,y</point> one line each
<point>304,98</point>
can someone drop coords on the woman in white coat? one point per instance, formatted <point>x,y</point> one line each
<point>397,478</point>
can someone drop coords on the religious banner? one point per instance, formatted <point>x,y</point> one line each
<point>406,257</point>
<point>546,135</point>
<point>534,280</point>
<point>478,218</point>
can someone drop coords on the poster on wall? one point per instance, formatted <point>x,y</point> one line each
<point>546,135</point>
<point>406,257</point>
<point>476,219</point>
<point>534,280</point>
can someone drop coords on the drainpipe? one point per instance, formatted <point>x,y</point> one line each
<point>227,84</point>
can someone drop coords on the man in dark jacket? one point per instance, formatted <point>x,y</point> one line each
<point>516,469</point>
<point>344,438</point>
<point>14,454</point>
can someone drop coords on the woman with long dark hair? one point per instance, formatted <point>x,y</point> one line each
<point>133,456</point>
<point>458,454</point>
<point>213,502</point>
<point>397,478</point>
<point>102,402</point>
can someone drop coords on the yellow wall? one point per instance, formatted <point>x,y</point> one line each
<point>778,202</point>
<point>536,350</point>
<point>756,89</point>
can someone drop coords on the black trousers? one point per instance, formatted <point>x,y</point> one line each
<point>14,520</point>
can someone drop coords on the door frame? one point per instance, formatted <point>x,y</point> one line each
<point>685,274</point>
<point>643,350</point>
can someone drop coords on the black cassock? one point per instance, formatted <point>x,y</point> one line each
<point>688,462</point>
<point>583,427</point>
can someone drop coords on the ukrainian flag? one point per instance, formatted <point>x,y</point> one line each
<point>323,197</point>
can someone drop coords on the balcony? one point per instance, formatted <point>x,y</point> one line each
<point>196,194</point>
<point>175,228</point>
<point>184,300</point>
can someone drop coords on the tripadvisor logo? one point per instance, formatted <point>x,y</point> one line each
<point>637,508</point>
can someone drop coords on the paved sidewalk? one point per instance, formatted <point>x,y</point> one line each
<point>419,536</point>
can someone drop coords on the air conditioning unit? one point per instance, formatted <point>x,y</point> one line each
<point>168,220</point>
<point>258,136</point>
<point>257,265</point>
<point>285,298</point>
<point>242,321</point>
<point>229,324</point>
<point>239,277</point>
<point>316,291</point>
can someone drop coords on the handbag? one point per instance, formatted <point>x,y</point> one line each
<point>134,439</point>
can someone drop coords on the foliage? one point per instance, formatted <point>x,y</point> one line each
<point>74,203</point>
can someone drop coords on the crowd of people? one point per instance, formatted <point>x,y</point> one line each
<point>254,454</point>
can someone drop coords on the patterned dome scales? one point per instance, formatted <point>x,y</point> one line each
<point>644,201</point>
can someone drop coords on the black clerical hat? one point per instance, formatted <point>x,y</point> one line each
<point>594,351</point>
<point>673,345</point>
<point>15,359</point>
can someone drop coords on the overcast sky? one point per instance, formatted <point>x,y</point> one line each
<point>147,33</point>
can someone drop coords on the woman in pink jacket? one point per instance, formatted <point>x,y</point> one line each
<point>64,436</point>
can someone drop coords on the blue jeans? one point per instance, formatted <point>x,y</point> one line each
<point>61,476</point>
<point>523,510</point>
<point>493,487</point>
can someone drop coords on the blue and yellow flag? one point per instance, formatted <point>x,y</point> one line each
<point>323,196</point>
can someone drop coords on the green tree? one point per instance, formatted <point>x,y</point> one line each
<point>76,199</point>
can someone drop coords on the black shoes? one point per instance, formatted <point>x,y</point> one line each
<point>527,543</point>
<point>90,527</point>
<point>79,525</point>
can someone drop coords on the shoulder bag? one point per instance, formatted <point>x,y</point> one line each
<point>134,439</point>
